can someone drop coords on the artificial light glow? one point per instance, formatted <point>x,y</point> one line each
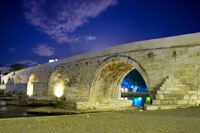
<point>147,99</point>
<point>59,90</point>
<point>30,89</point>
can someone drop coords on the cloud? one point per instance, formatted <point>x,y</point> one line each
<point>90,37</point>
<point>60,18</point>
<point>27,62</point>
<point>44,50</point>
<point>12,49</point>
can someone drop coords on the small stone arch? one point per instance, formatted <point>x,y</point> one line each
<point>31,80</point>
<point>57,83</point>
<point>2,82</point>
<point>108,77</point>
<point>18,80</point>
<point>10,80</point>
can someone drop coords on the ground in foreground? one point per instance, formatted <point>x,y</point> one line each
<point>131,121</point>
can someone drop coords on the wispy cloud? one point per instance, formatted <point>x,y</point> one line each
<point>12,49</point>
<point>44,50</point>
<point>27,62</point>
<point>90,37</point>
<point>60,18</point>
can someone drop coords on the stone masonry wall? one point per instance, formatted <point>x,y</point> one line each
<point>157,59</point>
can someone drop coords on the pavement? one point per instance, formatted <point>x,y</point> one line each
<point>127,121</point>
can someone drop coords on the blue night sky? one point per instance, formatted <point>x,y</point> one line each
<point>34,31</point>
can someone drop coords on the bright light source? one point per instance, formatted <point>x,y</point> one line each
<point>30,89</point>
<point>50,61</point>
<point>135,88</point>
<point>132,86</point>
<point>139,98</point>
<point>147,99</point>
<point>59,90</point>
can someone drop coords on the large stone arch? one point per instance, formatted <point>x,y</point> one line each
<point>109,75</point>
<point>57,83</point>
<point>31,80</point>
<point>18,80</point>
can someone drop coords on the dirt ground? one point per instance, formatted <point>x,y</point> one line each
<point>130,121</point>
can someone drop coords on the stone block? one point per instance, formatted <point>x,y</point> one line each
<point>168,102</point>
<point>186,97</point>
<point>193,97</point>
<point>10,88</point>
<point>20,89</point>
<point>159,96</point>
<point>39,89</point>
<point>170,92</point>
<point>159,92</point>
<point>192,92</point>
<point>181,102</point>
<point>198,102</point>
<point>2,87</point>
<point>151,107</point>
<point>156,102</point>
<point>163,107</point>
<point>86,105</point>
<point>192,101</point>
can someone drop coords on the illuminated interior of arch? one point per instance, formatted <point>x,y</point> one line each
<point>31,80</point>
<point>107,83</point>
<point>57,83</point>
<point>18,80</point>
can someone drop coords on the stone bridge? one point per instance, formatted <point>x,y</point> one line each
<point>169,67</point>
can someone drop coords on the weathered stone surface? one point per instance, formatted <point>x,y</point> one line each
<point>170,65</point>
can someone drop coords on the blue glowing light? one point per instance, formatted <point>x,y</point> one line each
<point>132,87</point>
<point>139,98</point>
<point>137,101</point>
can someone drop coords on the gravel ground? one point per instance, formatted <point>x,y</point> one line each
<point>131,121</point>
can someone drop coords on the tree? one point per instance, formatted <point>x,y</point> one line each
<point>17,67</point>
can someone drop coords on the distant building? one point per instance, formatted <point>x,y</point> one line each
<point>53,60</point>
<point>5,70</point>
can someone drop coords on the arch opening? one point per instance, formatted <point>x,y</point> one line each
<point>133,87</point>
<point>10,80</point>
<point>31,80</point>
<point>57,83</point>
<point>18,80</point>
<point>107,83</point>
